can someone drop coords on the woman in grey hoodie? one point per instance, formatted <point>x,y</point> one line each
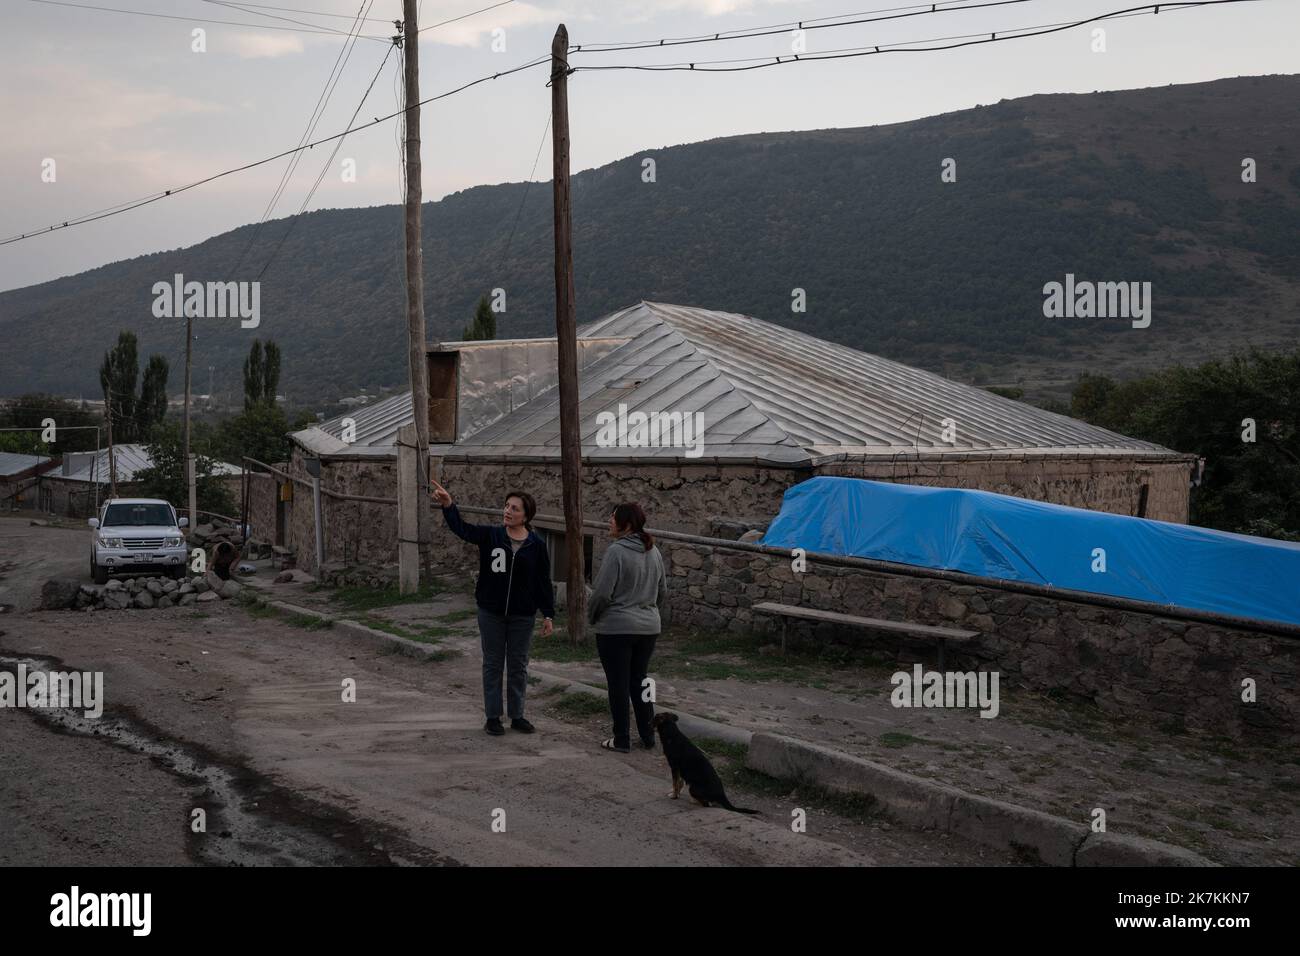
<point>624,612</point>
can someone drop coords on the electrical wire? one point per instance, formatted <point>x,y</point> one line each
<point>318,111</point>
<point>126,207</point>
<point>973,39</point>
<point>293,222</point>
<point>171,16</point>
<point>866,16</point>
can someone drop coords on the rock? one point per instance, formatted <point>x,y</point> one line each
<point>58,594</point>
<point>164,602</point>
<point>207,597</point>
<point>83,599</point>
<point>154,587</point>
<point>752,534</point>
<point>188,599</point>
<point>143,599</point>
<point>231,589</point>
<point>117,599</point>
<point>201,585</point>
<point>170,585</point>
<point>284,577</point>
<point>186,588</point>
<point>114,585</point>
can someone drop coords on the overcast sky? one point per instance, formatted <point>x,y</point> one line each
<point>125,106</point>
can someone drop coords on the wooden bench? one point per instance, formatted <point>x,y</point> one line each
<point>787,611</point>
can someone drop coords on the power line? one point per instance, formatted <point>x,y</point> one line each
<point>318,111</point>
<point>293,222</point>
<point>169,16</point>
<point>356,26</point>
<point>126,207</point>
<point>866,16</point>
<point>972,39</point>
<point>249,7</point>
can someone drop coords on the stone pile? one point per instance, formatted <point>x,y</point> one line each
<point>336,575</point>
<point>142,592</point>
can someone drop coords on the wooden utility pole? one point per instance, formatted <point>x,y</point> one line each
<point>189,462</point>
<point>112,465</point>
<point>566,341</point>
<point>417,359</point>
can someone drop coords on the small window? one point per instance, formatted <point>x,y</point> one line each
<point>557,548</point>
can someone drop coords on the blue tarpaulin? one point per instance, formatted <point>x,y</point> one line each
<point>998,536</point>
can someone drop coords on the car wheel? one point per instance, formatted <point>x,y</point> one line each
<point>99,574</point>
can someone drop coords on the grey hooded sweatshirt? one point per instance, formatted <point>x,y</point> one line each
<point>628,589</point>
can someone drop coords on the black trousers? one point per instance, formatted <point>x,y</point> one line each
<point>625,658</point>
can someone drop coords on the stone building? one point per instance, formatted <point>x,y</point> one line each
<point>706,418</point>
<point>20,478</point>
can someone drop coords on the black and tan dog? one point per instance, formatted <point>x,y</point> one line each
<point>690,767</point>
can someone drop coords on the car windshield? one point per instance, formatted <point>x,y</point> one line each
<point>137,516</point>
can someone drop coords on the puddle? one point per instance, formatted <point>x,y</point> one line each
<point>250,820</point>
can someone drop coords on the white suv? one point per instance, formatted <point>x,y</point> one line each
<point>133,535</point>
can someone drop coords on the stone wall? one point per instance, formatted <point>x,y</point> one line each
<point>693,498</point>
<point>263,500</point>
<point>1146,666</point>
<point>355,532</point>
<point>1101,484</point>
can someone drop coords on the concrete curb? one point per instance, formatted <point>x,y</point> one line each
<point>693,726</point>
<point>922,804</point>
<point>401,645</point>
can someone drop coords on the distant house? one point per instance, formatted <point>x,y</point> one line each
<point>777,406</point>
<point>20,477</point>
<point>83,480</point>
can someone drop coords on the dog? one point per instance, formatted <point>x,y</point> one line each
<point>689,766</point>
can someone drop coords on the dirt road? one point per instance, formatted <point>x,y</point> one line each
<point>243,716</point>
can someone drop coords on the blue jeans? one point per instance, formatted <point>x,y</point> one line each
<point>505,641</point>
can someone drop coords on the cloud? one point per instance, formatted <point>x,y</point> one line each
<point>249,46</point>
<point>475,31</point>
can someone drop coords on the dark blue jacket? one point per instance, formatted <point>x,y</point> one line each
<point>524,578</point>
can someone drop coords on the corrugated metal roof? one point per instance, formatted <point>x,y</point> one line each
<point>12,463</point>
<point>767,394</point>
<point>130,460</point>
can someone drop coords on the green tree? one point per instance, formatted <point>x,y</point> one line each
<point>484,326</point>
<point>270,371</point>
<point>117,377</point>
<point>1089,396</point>
<point>30,412</point>
<point>1251,482</point>
<point>261,374</point>
<point>165,478</point>
<point>261,432</point>
<point>253,375</point>
<point>134,415</point>
<point>152,407</point>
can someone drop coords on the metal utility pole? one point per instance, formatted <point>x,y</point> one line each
<point>417,358</point>
<point>566,341</point>
<point>189,461</point>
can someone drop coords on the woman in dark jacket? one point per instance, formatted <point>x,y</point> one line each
<point>514,582</point>
<point>624,612</point>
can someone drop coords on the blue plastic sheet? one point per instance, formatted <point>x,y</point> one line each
<point>998,536</point>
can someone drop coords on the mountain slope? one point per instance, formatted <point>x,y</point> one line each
<point>1141,185</point>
